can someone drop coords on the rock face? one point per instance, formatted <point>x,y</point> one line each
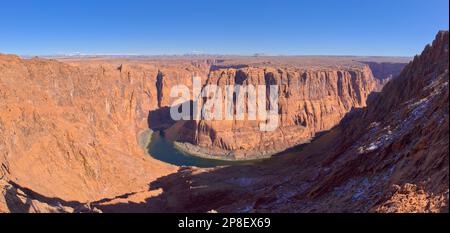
<point>310,101</point>
<point>385,71</point>
<point>70,131</point>
<point>392,156</point>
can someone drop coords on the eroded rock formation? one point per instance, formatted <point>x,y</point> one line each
<point>70,131</point>
<point>385,71</point>
<point>310,101</point>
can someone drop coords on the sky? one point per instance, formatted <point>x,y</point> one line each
<point>273,27</point>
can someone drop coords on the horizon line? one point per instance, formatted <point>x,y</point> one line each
<point>80,55</point>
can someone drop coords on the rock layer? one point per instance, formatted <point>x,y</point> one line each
<point>70,131</point>
<point>310,101</point>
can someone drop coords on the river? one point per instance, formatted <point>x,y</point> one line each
<point>164,150</point>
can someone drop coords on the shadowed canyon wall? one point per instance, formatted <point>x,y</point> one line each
<point>385,71</point>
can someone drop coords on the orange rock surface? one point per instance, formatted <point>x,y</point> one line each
<point>310,101</point>
<point>70,131</point>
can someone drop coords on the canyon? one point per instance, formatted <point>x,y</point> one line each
<point>373,134</point>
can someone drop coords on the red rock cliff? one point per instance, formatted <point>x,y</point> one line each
<point>310,101</point>
<point>71,131</point>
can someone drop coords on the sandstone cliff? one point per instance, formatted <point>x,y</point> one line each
<point>385,71</point>
<point>70,131</point>
<point>310,101</point>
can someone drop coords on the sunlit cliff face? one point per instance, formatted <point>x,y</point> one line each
<point>300,103</point>
<point>228,103</point>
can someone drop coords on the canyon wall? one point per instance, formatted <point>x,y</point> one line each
<point>310,100</point>
<point>71,130</point>
<point>385,71</point>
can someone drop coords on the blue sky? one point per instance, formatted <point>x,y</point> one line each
<point>320,27</point>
